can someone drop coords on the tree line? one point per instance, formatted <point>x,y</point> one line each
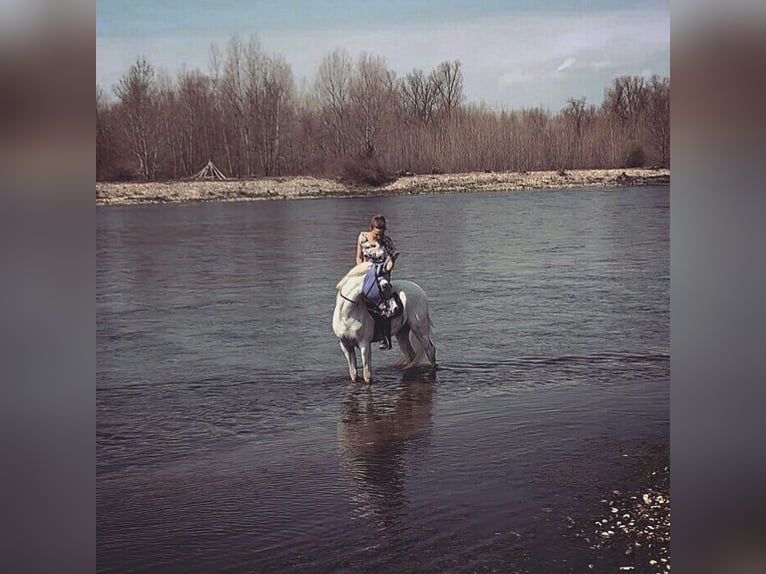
<point>359,120</point>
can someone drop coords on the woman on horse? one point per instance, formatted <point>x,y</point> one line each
<point>374,245</point>
<point>377,247</point>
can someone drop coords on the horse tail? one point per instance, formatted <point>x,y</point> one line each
<point>417,346</point>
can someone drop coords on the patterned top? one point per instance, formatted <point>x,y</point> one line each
<point>376,251</point>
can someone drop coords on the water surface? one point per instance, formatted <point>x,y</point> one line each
<point>228,439</point>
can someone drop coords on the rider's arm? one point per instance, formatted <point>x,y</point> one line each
<point>392,254</point>
<point>391,261</point>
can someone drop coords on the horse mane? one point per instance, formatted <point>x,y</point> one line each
<point>355,271</point>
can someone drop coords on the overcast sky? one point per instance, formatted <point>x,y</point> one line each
<point>515,53</point>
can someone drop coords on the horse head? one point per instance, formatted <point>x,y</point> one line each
<point>350,287</point>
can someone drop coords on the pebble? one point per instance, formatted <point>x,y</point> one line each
<point>647,519</point>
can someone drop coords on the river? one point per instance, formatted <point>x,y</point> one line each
<point>229,439</point>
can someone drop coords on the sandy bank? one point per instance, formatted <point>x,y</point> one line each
<point>310,187</point>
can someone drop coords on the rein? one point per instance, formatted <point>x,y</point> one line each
<point>346,298</point>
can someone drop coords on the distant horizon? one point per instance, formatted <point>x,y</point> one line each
<point>526,55</point>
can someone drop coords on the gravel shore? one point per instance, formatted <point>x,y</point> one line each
<point>309,187</point>
<point>631,531</point>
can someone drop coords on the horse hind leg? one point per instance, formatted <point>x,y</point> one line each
<point>428,348</point>
<point>430,352</point>
<point>403,338</point>
<point>422,330</point>
<point>350,354</point>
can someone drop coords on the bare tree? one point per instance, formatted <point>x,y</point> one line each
<point>221,137</point>
<point>574,111</point>
<point>275,92</point>
<point>103,133</point>
<point>248,116</point>
<point>196,118</point>
<point>239,95</point>
<point>138,103</point>
<point>419,96</point>
<point>333,91</point>
<point>658,116</point>
<point>615,101</point>
<point>371,94</point>
<point>626,100</point>
<point>170,153</point>
<point>448,80</point>
<point>577,118</point>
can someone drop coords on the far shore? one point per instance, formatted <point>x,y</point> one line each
<point>302,187</point>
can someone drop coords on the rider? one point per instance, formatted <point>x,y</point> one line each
<point>377,247</point>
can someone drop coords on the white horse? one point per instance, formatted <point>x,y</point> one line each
<point>354,326</point>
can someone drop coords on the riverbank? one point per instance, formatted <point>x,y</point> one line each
<point>632,529</point>
<point>301,187</point>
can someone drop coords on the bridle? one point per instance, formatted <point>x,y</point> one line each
<point>340,292</point>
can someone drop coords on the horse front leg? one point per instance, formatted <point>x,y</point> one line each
<point>350,354</point>
<point>365,350</point>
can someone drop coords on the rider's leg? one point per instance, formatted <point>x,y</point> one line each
<point>385,342</point>
<point>387,331</point>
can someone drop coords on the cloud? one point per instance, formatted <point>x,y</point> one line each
<point>568,63</point>
<point>499,54</point>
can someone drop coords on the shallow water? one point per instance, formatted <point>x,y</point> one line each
<point>229,440</point>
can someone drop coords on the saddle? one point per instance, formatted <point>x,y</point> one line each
<point>381,300</point>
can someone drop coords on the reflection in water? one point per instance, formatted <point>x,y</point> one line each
<point>377,429</point>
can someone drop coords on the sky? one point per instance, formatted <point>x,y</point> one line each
<point>515,53</point>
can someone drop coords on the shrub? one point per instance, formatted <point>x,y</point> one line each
<point>363,170</point>
<point>635,156</point>
<point>120,171</point>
